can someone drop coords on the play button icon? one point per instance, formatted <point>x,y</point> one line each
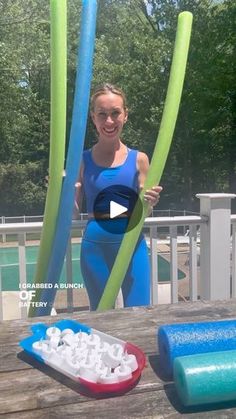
<point>116,209</point>
<point>113,208</point>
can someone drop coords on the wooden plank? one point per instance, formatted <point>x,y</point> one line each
<point>29,389</point>
<point>159,404</point>
<point>119,407</point>
<point>42,382</point>
<point>138,325</point>
<point>127,322</point>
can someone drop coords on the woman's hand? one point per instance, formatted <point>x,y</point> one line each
<point>152,196</point>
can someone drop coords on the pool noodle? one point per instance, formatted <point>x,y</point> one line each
<point>57,133</point>
<point>177,340</point>
<point>156,168</point>
<point>206,378</point>
<point>74,156</point>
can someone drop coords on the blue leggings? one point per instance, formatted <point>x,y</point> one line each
<point>98,252</point>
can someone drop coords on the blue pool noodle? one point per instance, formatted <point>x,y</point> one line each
<point>74,155</point>
<point>177,340</point>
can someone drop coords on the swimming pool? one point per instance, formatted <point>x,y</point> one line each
<point>9,267</point>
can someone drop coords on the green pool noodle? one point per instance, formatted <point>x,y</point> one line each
<point>206,378</point>
<point>158,161</point>
<point>57,137</point>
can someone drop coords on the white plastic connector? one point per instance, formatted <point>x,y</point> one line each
<point>81,336</point>
<point>94,354</point>
<point>101,368</point>
<point>53,331</point>
<point>108,378</point>
<point>123,372</point>
<point>68,339</point>
<point>112,358</point>
<point>80,346</point>
<point>103,347</point>
<point>61,349</point>
<point>93,340</point>
<point>80,355</point>
<point>54,342</point>
<point>55,359</point>
<point>67,332</point>
<point>47,351</point>
<point>131,361</point>
<point>86,356</point>
<point>39,346</point>
<point>88,362</point>
<point>72,365</point>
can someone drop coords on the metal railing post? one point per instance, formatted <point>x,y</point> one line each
<point>22,268</point>
<point>69,279</point>
<point>173,264</point>
<point>215,246</point>
<point>4,237</point>
<point>193,288</point>
<point>154,265</point>
<point>233,257</point>
<point>1,296</point>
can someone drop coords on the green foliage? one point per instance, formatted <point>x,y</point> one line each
<point>134,48</point>
<point>24,110</point>
<point>22,189</point>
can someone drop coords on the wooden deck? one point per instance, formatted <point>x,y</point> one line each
<point>31,390</point>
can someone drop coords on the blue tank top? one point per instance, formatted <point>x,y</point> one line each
<point>96,178</point>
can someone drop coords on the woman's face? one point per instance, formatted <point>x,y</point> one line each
<point>109,116</point>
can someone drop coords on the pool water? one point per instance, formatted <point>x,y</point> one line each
<point>9,267</point>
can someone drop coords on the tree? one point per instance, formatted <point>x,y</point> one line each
<point>134,47</point>
<point>24,98</point>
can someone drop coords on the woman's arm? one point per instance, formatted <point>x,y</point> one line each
<point>152,196</point>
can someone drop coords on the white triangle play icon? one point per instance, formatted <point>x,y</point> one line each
<point>116,209</point>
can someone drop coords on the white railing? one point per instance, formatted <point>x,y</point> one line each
<point>27,219</point>
<point>173,224</point>
<point>215,278</point>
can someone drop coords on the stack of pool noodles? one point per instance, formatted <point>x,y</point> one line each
<point>202,359</point>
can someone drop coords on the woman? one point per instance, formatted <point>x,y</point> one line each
<point>110,162</point>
